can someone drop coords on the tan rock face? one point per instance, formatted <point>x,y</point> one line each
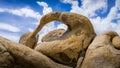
<point>116,42</point>
<point>31,42</point>
<point>53,35</point>
<point>102,53</point>
<point>23,57</point>
<point>6,60</point>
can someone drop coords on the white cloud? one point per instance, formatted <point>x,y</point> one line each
<point>106,24</point>
<point>9,27</point>
<point>46,8</point>
<point>2,10</point>
<point>30,29</point>
<point>11,37</point>
<point>118,4</point>
<point>67,1</point>
<point>26,12</point>
<point>93,5</point>
<point>42,4</point>
<point>62,26</point>
<point>88,9</point>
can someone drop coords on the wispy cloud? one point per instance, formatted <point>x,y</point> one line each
<point>46,8</point>
<point>9,27</point>
<point>62,26</point>
<point>89,8</point>
<point>68,1</point>
<point>26,12</point>
<point>12,37</point>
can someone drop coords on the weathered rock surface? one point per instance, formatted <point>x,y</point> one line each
<point>116,42</point>
<point>103,52</point>
<point>67,48</point>
<point>23,57</point>
<point>53,35</point>
<point>6,60</point>
<point>31,42</point>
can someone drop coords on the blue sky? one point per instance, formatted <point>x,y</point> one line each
<point>20,16</point>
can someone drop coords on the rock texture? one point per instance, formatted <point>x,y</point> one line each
<point>53,35</point>
<point>23,57</point>
<point>67,48</point>
<point>31,42</point>
<point>116,42</point>
<point>103,52</point>
<point>6,60</point>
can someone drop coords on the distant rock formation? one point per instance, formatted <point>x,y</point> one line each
<point>53,35</point>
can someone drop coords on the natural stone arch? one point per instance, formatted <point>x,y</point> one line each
<point>31,42</point>
<point>78,36</point>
